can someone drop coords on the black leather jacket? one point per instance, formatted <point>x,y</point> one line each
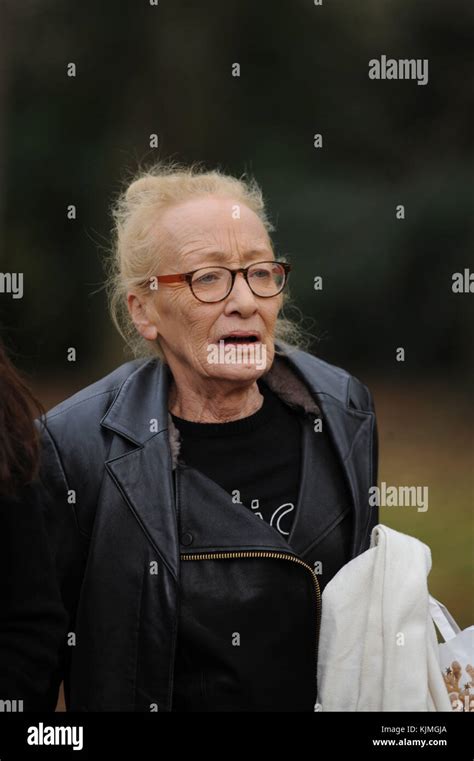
<point>107,490</point>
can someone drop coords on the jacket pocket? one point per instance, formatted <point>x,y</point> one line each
<point>249,627</point>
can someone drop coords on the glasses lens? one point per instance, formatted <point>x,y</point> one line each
<point>211,283</point>
<point>266,278</point>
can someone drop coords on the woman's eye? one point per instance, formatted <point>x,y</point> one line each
<point>209,278</point>
<point>260,274</point>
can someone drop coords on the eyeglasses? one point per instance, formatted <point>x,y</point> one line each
<point>211,284</point>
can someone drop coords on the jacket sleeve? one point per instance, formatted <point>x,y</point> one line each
<point>361,398</point>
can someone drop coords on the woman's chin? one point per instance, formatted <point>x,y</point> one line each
<point>249,371</point>
<point>238,363</point>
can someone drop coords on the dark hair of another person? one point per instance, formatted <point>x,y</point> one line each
<point>19,437</point>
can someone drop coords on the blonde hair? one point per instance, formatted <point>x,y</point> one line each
<point>132,260</point>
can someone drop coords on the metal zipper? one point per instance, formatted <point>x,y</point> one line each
<point>267,554</point>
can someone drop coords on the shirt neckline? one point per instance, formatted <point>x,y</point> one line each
<point>252,422</point>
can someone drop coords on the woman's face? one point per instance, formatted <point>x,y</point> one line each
<point>199,233</point>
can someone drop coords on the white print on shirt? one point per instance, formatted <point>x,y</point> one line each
<point>276,516</point>
<point>290,507</point>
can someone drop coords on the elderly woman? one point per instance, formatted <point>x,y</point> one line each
<point>200,498</point>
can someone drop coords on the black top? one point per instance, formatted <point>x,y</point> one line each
<point>259,469</point>
<point>269,605</point>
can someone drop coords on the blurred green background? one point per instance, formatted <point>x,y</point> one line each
<point>167,69</point>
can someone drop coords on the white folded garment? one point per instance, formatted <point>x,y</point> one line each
<point>378,649</point>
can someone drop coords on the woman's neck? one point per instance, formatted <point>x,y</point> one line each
<point>218,403</point>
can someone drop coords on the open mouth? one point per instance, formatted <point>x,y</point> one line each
<point>240,339</point>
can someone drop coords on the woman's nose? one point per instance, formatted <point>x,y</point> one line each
<point>241,292</point>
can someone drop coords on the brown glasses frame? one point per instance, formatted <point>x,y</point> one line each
<point>188,276</point>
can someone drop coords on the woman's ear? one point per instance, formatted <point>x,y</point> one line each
<point>137,306</point>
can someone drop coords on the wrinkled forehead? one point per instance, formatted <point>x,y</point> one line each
<point>211,226</point>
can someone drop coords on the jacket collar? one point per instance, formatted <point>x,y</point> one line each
<point>139,413</point>
<point>283,381</point>
<point>140,408</point>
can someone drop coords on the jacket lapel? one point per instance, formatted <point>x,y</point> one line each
<point>346,426</point>
<point>143,473</point>
<point>142,469</point>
